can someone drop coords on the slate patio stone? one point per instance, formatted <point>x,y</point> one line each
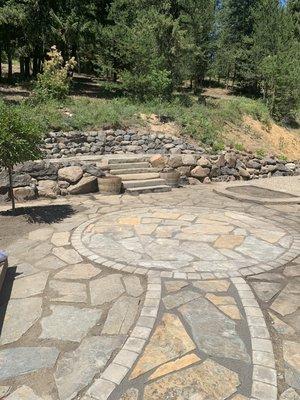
<point>121,316</point>
<point>76,369</point>
<point>68,291</point>
<point>212,331</point>
<point>23,393</point>
<point>169,341</point>
<point>208,380</point>
<point>68,322</point>
<point>184,296</point>
<point>78,271</point>
<point>104,290</point>
<point>23,360</point>
<point>29,285</point>
<point>291,355</point>
<point>20,315</point>
<point>266,290</point>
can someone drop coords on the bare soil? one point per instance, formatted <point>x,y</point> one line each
<point>273,139</point>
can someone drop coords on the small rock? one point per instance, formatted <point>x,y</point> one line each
<point>48,189</point>
<point>206,180</point>
<point>24,193</point>
<point>70,174</point>
<point>88,184</point>
<point>204,162</point>
<point>194,181</point>
<point>200,172</point>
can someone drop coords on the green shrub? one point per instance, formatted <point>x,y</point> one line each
<point>54,82</point>
<point>20,139</point>
<point>155,84</point>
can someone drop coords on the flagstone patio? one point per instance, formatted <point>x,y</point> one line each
<point>182,295</point>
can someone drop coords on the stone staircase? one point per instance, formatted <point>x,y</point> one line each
<point>138,176</point>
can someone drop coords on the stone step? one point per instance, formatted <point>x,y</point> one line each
<point>144,183</point>
<point>126,160</point>
<point>148,189</point>
<point>133,171</point>
<point>132,165</point>
<point>139,177</point>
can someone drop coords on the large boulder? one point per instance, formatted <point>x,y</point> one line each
<point>158,161</point>
<point>230,159</point>
<point>24,193</point>
<point>175,161</point>
<point>200,172</point>
<point>70,174</point>
<point>204,162</point>
<point>88,184</point>
<point>189,159</point>
<point>48,188</point>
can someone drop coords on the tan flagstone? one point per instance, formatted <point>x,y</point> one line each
<point>208,380</point>
<point>270,236</point>
<point>169,340</point>
<point>226,304</point>
<point>173,286</point>
<point>60,238</point>
<point>280,326</point>
<point>78,271</point>
<point>217,229</point>
<point>176,365</point>
<point>146,229</point>
<point>213,286</point>
<point>231,311</point>
<point>165,215</point>
<point>239,397</point>
<point>40,234</point>
<point>165,231</point>
<point>220,300</point>
<point>228,241</point>
<point>129,220</point>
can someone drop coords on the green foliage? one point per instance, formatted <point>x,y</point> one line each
<point>20,136</point>
<point>156,84</point>
<point>54,82</point>
<point>260,153</point>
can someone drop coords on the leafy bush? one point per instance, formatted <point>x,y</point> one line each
<point>54,82</point>
<point>155,84</point>
<point>20,139</point>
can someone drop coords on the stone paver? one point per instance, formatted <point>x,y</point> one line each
<point>20,315</point>
<point>22,360</point>
<point>68,323</point>
<point>179,295</point>
<point>76,370</point>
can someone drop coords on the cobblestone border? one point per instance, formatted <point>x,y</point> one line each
<point>252,199</point>
<point>289,255</point>
<point>121,365</point>
<point>264,376</point>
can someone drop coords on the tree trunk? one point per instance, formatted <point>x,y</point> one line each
<point>10,67</point>
<point>0,63</point>
<point>11,190</point>
<point>22,68</point>
<point>34,66</point>
<point>27,67</point>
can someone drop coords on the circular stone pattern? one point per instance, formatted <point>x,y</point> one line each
<point>185,239</point>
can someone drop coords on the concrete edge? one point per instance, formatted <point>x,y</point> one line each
<point>251,199</point>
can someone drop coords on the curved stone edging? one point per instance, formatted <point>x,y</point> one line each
<point>289,255</point>
<point>121,365</point>
<point>264,377</point>
<point>252,199</point>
